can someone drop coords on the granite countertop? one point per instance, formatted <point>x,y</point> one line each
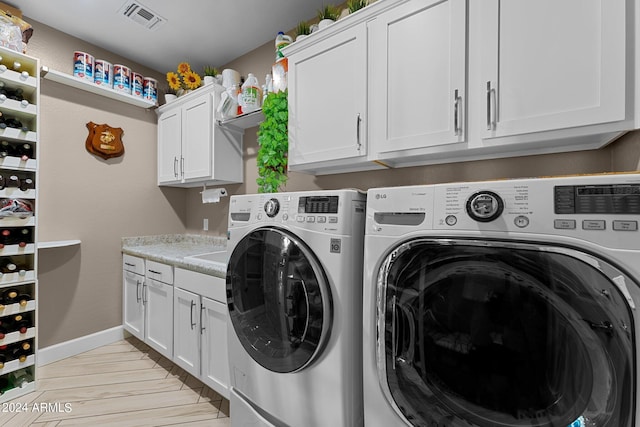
<point>174,248</point>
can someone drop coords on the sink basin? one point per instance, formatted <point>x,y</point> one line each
<point>219,257</point>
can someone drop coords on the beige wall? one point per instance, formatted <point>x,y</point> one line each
<point>84,197</point>
<point>621,155</point>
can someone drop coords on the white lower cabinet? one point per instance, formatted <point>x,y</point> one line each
<point>214,369</point>
<point>158,316</point>
<point>186,325</point>
<point>148,303</point>
<point>132,297</point>
<point>200,328</point>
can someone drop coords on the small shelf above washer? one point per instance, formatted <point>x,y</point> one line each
<point>58,244</point>
<point>77,83</point>
<point>244,121</point>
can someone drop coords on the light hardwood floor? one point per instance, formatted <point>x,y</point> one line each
<point>122,384</point>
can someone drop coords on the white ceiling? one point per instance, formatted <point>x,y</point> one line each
<point>201,32</point>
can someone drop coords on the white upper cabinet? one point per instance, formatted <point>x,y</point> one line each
<point>169,146</point>
<point>417,77</point>
<point>193,148</point>
<point>328,102</point>
<point>455,80</point>
<point>549,64</point>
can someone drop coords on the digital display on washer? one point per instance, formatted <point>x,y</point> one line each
<point>597,199</point>
<point>318,205</point>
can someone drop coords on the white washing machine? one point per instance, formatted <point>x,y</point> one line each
<point>294,292</point>
<point>503,303</point>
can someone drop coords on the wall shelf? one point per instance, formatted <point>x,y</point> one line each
<point>244,121</point>
<point>85,85</point>
<point>58,244</point>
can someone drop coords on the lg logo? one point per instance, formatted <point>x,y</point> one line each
<point>381,196</point>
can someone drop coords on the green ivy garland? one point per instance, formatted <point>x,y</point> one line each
<point>273,142</point>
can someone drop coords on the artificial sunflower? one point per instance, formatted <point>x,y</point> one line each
<point>174,80</point>
<point>184,78</point>
<point>184,68</point>
<point>191,80</point>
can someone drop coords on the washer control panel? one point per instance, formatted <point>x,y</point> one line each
<point>603,209</point>
<point>484,206</point>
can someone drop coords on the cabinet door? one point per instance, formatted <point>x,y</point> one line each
<point>169,146</point>
<point>215,360</point>
<point>133,310</point>
<point>327,99</point>
<point>197,122</point>
<point>418,71</point>
<point>551,64</point>
<point>159,316</point>
<point>186,331</point>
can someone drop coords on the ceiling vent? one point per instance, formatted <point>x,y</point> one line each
<point>142,15</point>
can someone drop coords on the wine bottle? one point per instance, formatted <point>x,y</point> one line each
<point>8,266</point>
<point>12,122</point>
<point>20,378</point>
<point>24,151</point>
<point>5,237</point>
<point>23,299</point>
<point>16,94</point>
<point>20,354</point>
<point>13,181</point>
<point>23,237</point>
<point>9,296</point>
<point>26,184</point>
<point>5,146</point>
<point>22,322</point>
<point>4,356</point>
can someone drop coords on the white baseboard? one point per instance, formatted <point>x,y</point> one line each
<point>79,345</point>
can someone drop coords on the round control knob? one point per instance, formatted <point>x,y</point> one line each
<point>451,220</point>
<point>272,207</point>
<point>484,206</point>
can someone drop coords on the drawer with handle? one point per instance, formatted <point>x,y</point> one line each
<point>133,264</point>
<point>160,272</point>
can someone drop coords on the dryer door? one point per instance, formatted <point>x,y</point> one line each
<point>503,334</point>
<point>279,300</point>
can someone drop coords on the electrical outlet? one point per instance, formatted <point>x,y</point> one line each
<point>205,224</point>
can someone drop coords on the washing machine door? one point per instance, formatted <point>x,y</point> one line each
<point>503,334</point>
<point>279,300</point>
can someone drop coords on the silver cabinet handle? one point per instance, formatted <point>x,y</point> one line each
<point>202,327</point>
<point>457,128</point>
<point>358,121</point>
<point>144,293</point>
<point>491,92</point>
<point>138,296</point>
<point>154,272</point>
<point>182,166</point>
<point>175,167</point>
<point>193,324</point>
<point>128,264</point>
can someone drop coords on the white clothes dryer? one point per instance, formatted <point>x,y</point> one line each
<point>503,303</point>
<point>294,293</point>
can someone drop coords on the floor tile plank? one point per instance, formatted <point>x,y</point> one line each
<point>124,384</point>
